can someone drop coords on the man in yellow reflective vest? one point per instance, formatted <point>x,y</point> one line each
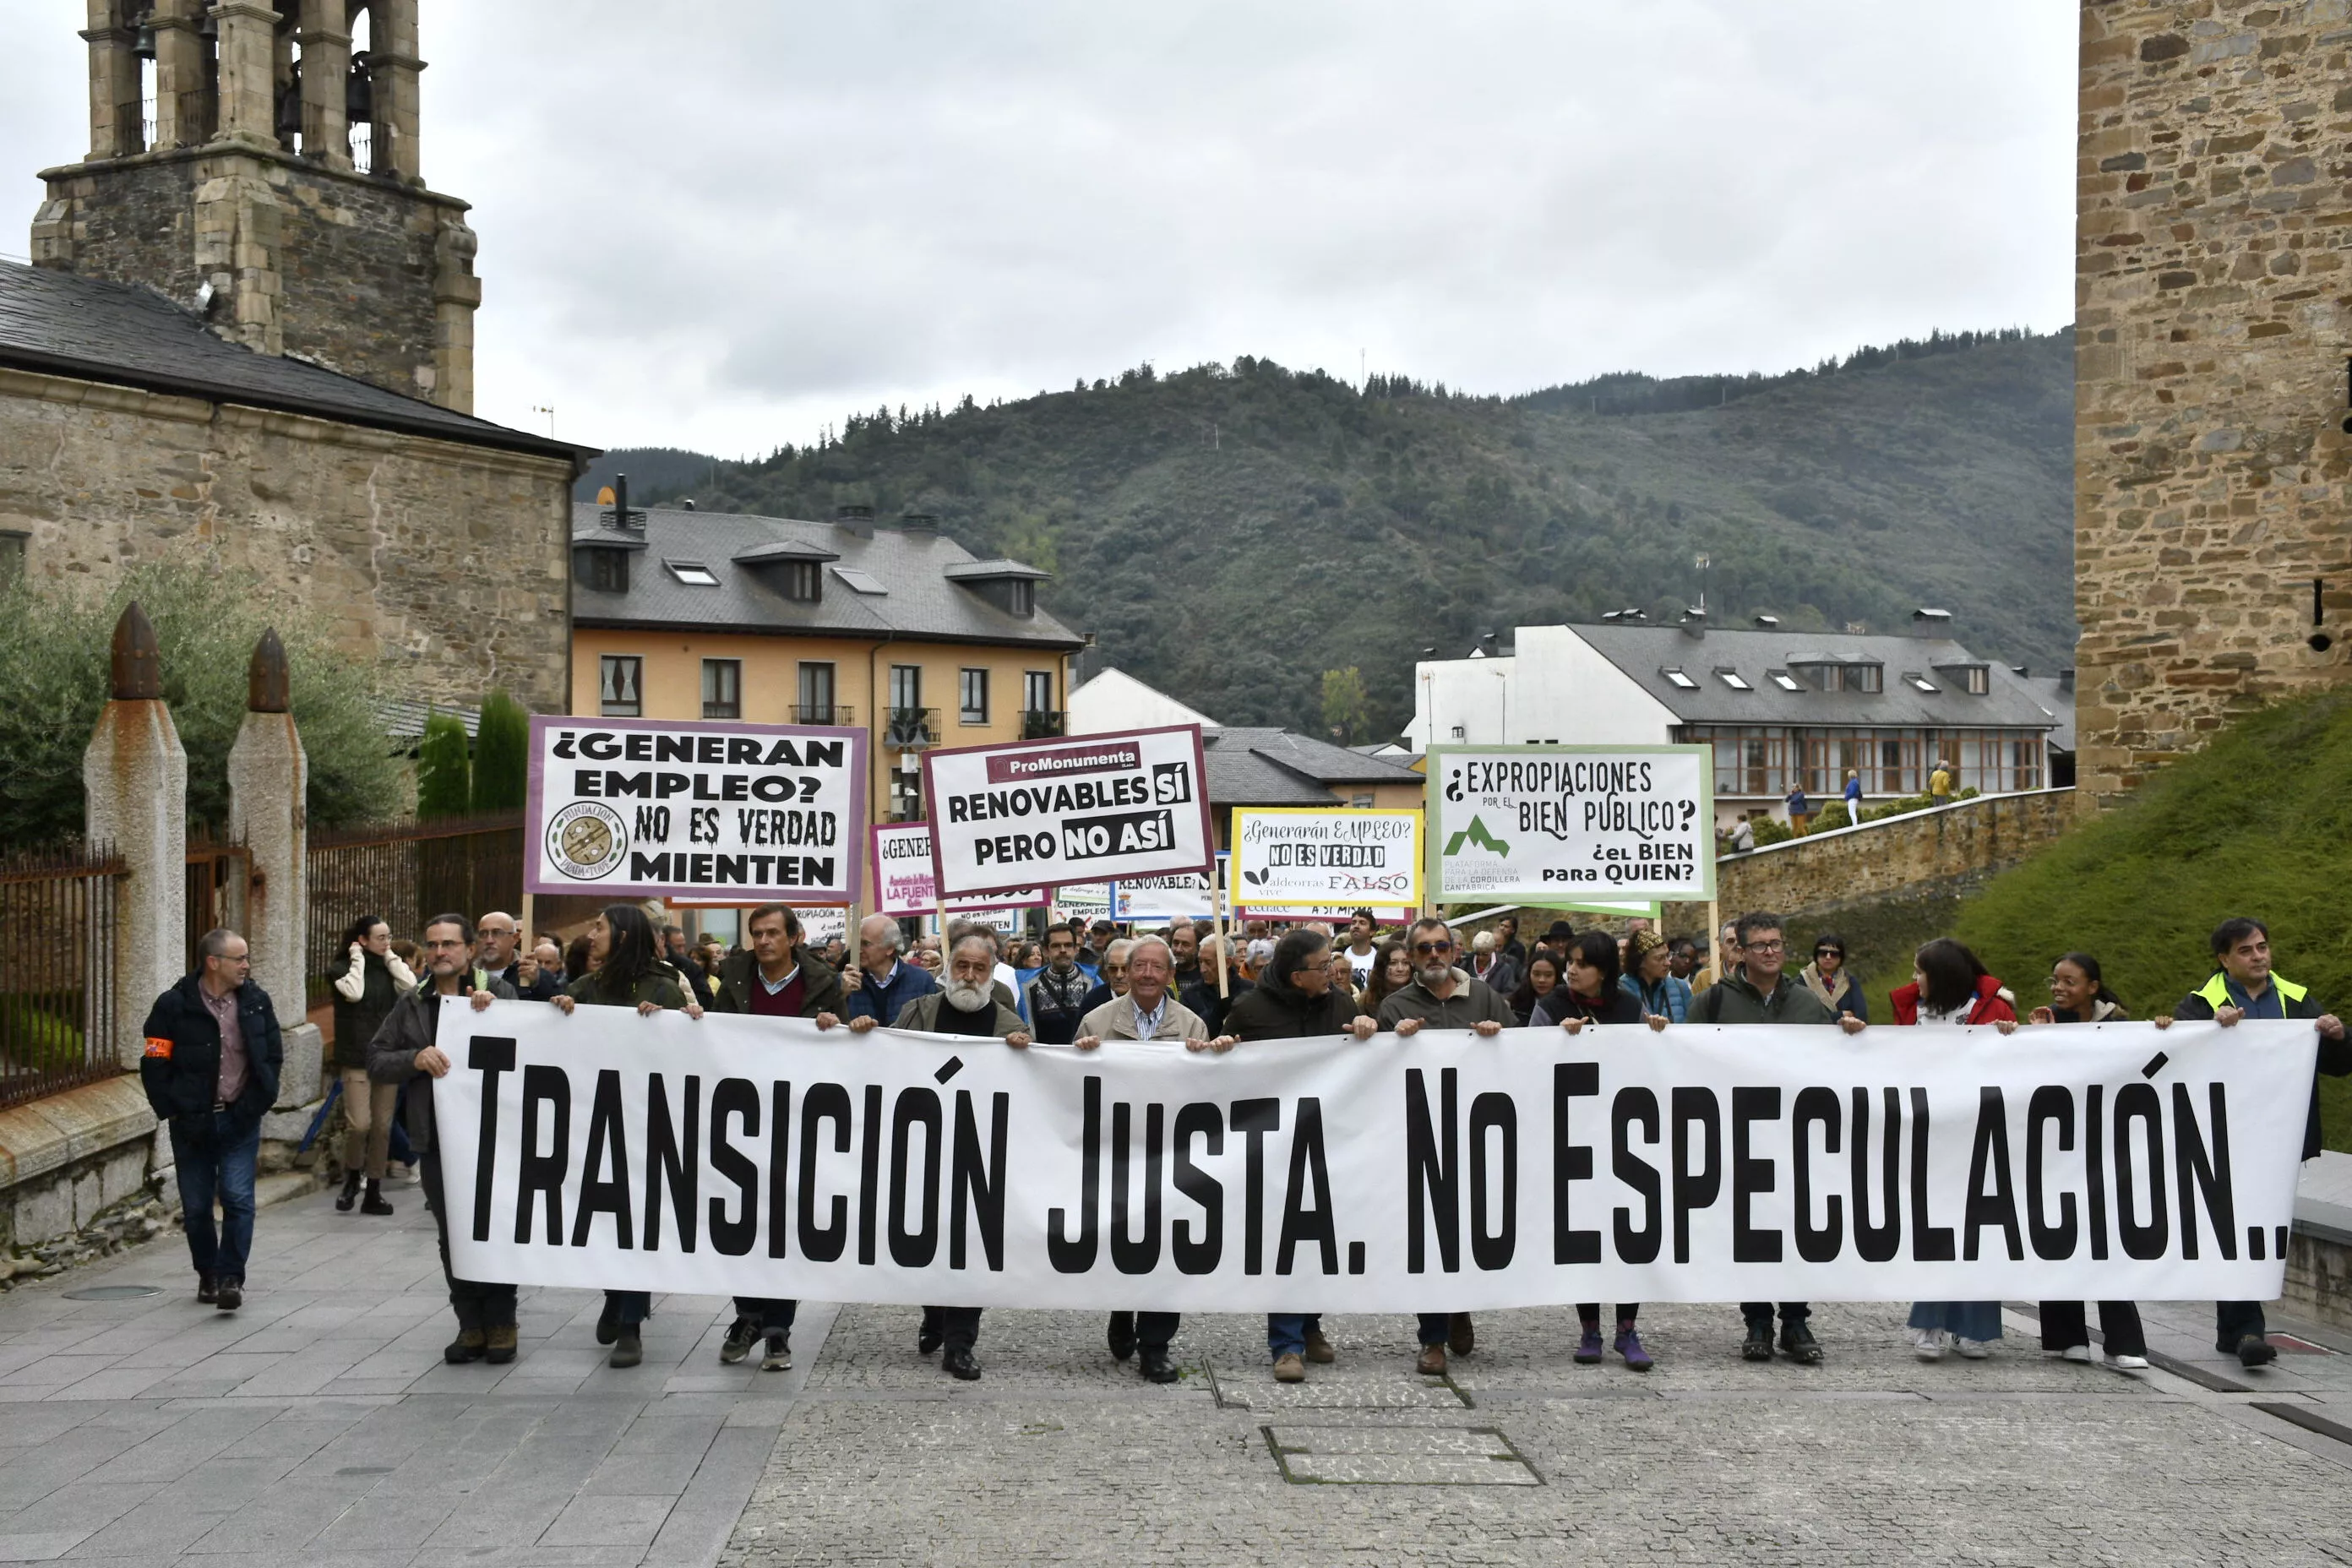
<point>2245,988</point>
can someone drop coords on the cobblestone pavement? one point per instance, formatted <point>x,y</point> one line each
<point>318,1427</point>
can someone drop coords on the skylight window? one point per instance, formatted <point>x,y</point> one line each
<point>859,582</point>
<point>693,573</point>
<point>1675,677</point>
<point>1734,680</point>
<point>1921,683</point>
<point>1787,682</point>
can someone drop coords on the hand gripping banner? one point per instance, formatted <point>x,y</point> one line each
<point>1441,1172</point>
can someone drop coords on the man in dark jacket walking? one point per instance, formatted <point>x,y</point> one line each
<point>1056,993</point>
<point>780,977</point>
<point>1293,1000</point>
<point>2245,987</point>
<point>210,1071</point>
<point>1759,992</point>
<point>403,1052</point>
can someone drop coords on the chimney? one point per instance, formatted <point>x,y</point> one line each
<point>1767,623</point>
<point>623,518</point>
<point>918,522</point>
<point>857,520</point>
<point>1927,623</point>
<point>2066,680</point>
<point>1693,623</point>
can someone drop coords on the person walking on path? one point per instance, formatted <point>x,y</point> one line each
<point>1853,798</point>
<point>2245,986</point>
<point>627,971</point>
<point>1147,1013</point>
<point>1826,978</point>
<point>405,1050</point>
<point>1939,783</point>
<point>2078,994</point>
<point>1297,999</point>
<point>1444,997</point>
<point>1948,985</point>
<point>1650,979</point>
<point>1799,809</point>
<point>372,979</point>
<point>779,977</point>
<point>1759,991</point>
<point>210,1069</point>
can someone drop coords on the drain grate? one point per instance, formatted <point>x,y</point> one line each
<point>1396,1456</point>
<point>113,1292</point>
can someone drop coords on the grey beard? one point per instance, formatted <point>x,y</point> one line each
<point>1434,975</point>
<point>968,998</point>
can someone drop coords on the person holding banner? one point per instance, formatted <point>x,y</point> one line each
<point>1057,995</point>
<point>2245,987</point>
<point>1217,989</point>
<point>1755,989</point>
<point>1294,1000</point>
<point>878,985</point>
<point>403,1052</point>
<point>1147,1013</point>
<point>778,978</point>
<point>628,972</point>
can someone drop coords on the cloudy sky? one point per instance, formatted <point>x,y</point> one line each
<point>720,224</point>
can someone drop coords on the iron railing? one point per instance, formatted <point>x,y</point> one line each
<point>823,713</point>
<point>1043,723</point>
<point>57,1001</point>
<point>403,873</point>
<point>913,727</point>
<point>219,878</point>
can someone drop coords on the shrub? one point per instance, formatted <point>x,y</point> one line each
<point>443,769</point>
<point>502,755</point>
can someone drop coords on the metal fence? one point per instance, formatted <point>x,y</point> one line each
<point>57,1000</point>
<point>219,875</point>
<point>403,873</point>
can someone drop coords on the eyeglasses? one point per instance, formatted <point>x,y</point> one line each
<point>1775,945</point>
<point>1829,953</point>
<point>1431,949</point>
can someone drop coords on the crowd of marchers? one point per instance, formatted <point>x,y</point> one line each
<point>214,1055</point>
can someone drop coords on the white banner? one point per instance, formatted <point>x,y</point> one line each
<point>1089,809</point>
<point>820,923</point>
<point>1618,823</point>
<point>1443,1171</point>
<point>1315,856</point>
<point>645,809</point>
<point>1334,915</point>
<point>1085,902</point>
<point>902,876</point>
<point>1148,900</point>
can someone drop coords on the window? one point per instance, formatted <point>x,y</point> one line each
<point>971,697</point>
<point>1680,681</point>
<point>1865,678</point>
<point>815,705</point>
<point>859,582</point>
<point>1920,682</point>
<point>1734,680</point>
<point>693,573</point>
<point>722,689</point>
<point>1976,679</point>
<point>1022,598</point>
<point>608,569</point>
<point>803,582</point>
<point>1361,800</point>
<point>1787,682</point>
<point>905,685</point>
<point>620,679</point>
<point>1037,691</point>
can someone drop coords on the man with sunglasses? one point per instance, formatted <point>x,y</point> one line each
<point>1441,996</point>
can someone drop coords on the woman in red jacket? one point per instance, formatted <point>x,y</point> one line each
<point>1949,986</point>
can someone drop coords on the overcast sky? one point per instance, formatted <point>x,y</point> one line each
<point>719,224</point>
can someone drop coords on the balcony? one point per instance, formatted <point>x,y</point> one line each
<point>912,729</point>
<point>1043,723</point>
<point>823,713</point>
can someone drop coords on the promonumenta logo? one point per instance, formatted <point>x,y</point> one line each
<point>1476,834</point>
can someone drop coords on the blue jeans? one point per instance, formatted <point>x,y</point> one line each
<point>1961,1320</point>
<point>1285,1332</point>
<point>218,1162</point>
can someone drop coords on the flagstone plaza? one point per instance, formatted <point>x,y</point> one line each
<point>320,1427</point>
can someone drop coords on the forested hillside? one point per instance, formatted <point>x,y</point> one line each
<point>1230,532</point>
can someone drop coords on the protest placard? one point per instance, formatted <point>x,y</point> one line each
<point>1321,857</point>
<point>903,883</point>
<point>1089,809</point>
<point>1623,824</point>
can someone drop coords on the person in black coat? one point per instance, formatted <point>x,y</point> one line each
<point>371,978</point>
<point>210,1069</point>
<point>1293,1000</point>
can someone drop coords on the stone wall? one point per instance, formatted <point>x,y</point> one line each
<point>447,564</point>
<point>2213,473</point>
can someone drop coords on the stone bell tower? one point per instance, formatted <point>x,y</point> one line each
<point>256,161</point>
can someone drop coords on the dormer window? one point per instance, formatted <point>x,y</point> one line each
<point>1864,678</point>
<point>804,582</point>
<point>1787,682</point>
<point>1022,600</point>
<point>1734,680</point>
<point>693,573</point>
<point>607,571</point>
<point>1679,680</point>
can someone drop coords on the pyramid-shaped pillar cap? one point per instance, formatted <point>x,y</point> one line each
<point>266,683</point>
<point>138,662</point>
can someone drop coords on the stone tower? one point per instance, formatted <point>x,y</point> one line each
<point>258,160</point>
<point>2213,327</point>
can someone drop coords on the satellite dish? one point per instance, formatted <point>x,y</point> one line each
<point>604,496</point>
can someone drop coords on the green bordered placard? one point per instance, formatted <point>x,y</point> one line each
<point>1532,824</point>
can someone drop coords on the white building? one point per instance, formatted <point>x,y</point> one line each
<point>1116,700</point>
<point>1780,708</point>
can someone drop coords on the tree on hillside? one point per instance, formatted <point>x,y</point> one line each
<point>1347,709</point>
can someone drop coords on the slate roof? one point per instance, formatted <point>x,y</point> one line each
<point>923,603</point>
<point>1644,653</point>
<point>2058,696</point>
<point>1281,768</point>
<point>60,325</point>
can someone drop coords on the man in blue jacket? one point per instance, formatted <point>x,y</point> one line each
<point>879,984</point>
<point>210,1071</point>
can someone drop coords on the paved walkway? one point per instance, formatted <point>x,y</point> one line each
<point>318,1427</point>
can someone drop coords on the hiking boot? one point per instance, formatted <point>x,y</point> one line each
<point>1797,1342</point>
<point>608,1326</point>
<point>958,1363</point>
<point>1154,1364</point>
<point>1319,1349</point>
<point>1757,1346</point>
<point>471,1344</point>
<point>780,1354</point>
<point>1121,1335</point>
<point>350,1192</point>
<point>232,1297</point>
<point>1289,1368</point>
<point>741,1334</point>
<point>1629,1345</point>
<point>2252,1351</point>
<point>207,1288</point>
<point>627,1350</point>
<point>373,1203</point>
<point>1431,1363</point>
<point>1588,1349</point>
<point>1460,1336</point>
<point>499,1345</point>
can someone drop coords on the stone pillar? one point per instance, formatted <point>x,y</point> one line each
<point>457,294</point>
<point>267,780</point>
<point>134,778</point>
<point>237,244</point>
<point>114,129</point>
<point>180,90</point>
<point>249,55</point>
<point>396,69</point>
<point>326,39</point>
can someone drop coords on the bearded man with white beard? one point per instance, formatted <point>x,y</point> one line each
<point>966,1005</point>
